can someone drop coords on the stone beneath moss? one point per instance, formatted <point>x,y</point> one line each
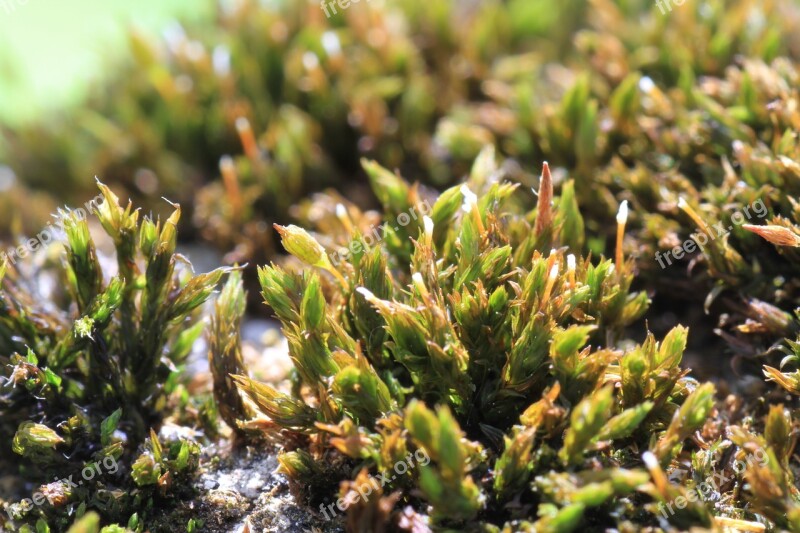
<point>238,488</point>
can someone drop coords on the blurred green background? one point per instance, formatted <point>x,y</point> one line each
<point>52,50</point>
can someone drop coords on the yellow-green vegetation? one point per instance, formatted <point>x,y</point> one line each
<point>484,338</point>
<point>594,87</point>
<point>527,334</point>
<point>90,365</point>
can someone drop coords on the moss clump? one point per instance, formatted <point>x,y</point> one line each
<point>599,89</point>
<point>480,339</point>
<point>88,370</point>
<point>522,377</point>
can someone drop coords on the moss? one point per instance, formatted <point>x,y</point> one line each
<point>92,365</point>
<point>527,350</point>
<point>482,342</point>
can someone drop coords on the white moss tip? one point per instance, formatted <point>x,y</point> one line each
<point>470,199</point>
<point>650,460</point>
<point>428,225</point>
<point>242,124</point>
<point>622,214</point>
<point>571,262</point>
<point>366,293</point>
<point>331,44</point>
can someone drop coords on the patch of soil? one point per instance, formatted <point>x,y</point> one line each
<point>238,491</point>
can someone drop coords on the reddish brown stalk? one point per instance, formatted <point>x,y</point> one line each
<point>248,138</point>
<point>231,182</point>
